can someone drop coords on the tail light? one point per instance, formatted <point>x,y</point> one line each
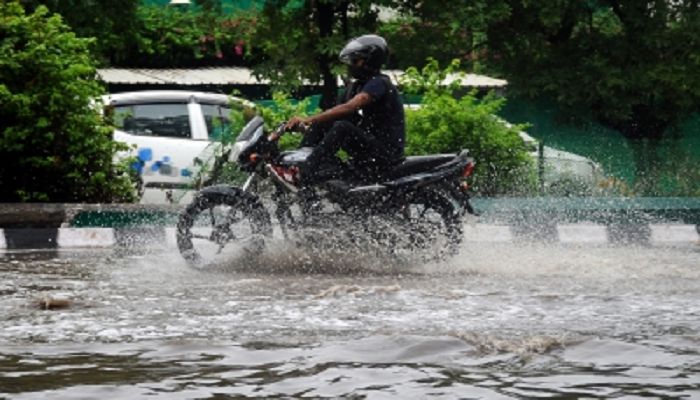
<point>468,169</point>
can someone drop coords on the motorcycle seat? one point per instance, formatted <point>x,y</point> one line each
<point>416,164</point>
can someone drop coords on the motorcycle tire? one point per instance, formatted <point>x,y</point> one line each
<point>222,217</point>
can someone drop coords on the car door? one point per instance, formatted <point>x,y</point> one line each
<point>167,140</point>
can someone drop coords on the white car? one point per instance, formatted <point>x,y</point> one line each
<point>563,172</point>
<point>175,136</point>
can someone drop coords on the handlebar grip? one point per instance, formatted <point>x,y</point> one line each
<point>303,128</point>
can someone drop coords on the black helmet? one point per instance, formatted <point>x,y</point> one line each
<point>372,48</point>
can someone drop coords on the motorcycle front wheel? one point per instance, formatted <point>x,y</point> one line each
<point>222,224</point>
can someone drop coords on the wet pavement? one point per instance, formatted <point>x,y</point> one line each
<point>505,320</point>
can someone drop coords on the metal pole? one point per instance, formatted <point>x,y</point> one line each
<point>540,165</point>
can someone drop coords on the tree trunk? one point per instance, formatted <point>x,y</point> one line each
<point>325,18</point>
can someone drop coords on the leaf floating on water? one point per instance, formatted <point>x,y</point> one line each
<point>49,303</point>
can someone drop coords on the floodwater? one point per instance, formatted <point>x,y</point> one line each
<point>500,321</point>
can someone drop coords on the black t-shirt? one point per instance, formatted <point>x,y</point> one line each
<point>383,118</point>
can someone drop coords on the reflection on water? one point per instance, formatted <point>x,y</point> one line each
<point>500,321</point>
<point>377,366</point>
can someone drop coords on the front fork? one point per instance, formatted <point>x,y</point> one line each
<point>279,197</point>
<point>250,183</point>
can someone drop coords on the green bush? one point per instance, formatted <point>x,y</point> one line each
<point>446,123</point>
<point>54,144</point>
<point>283,108</point>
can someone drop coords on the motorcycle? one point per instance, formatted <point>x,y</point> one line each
<point>416,206</point>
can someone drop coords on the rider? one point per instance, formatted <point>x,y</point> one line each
<point>369,121</point>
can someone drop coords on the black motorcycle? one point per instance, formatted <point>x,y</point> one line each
<point>415,207</point>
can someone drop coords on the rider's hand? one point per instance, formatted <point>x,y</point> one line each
<point>296,123</point>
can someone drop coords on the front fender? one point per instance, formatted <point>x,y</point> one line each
<point>223,190</point>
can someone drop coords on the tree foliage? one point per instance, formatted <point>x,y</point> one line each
<point>430,30</point>
<point>112,23</point>
<point>54,144</point>
<point>168,37</point>
<point>299,41</point>
<point>634,64</point>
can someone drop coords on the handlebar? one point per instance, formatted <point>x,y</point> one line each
<point>278,132</point>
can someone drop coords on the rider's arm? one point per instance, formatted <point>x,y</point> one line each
<point>340,111</point>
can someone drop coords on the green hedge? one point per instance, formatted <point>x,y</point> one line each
<point>447,123</point>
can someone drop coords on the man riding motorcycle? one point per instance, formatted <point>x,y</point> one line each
<point>412,204</point>
<point>369,121</point>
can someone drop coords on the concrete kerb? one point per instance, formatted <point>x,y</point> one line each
<point>566,221</point>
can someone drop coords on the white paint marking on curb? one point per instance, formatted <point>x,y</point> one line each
<point>582,233</point>
<point>673,233</point>
<point>85,237</point>
<point>3,243</point>
<point>487,233</point>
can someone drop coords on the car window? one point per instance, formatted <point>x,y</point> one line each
<point>167,120</point>
<point>218,120</point>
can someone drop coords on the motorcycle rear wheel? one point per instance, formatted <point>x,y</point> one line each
<point>222,218</point>
<point>434,226</point>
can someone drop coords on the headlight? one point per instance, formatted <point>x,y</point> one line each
<point>236,150</point>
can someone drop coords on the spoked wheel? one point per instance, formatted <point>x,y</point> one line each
<point>434,226</point>
<point>222,223</point>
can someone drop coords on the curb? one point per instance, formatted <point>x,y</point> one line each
<point>158,236</point>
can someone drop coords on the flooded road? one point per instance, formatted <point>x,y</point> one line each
<point>501,321</point>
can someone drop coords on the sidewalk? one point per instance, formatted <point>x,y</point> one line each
<point>643,221</point>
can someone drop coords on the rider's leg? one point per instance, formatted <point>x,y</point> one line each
<point>314,135</point>
<point>368,156</point>
<point>339,133</point>
<point>326,149</point>
<point>365,150</point>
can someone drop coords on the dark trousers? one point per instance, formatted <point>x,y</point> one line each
<point>360,145</point>
<point>368,155</point>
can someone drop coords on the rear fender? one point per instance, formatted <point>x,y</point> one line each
<point>442,173</point>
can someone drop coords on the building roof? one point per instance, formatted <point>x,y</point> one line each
<point>242,76</point>
<point>201,76</point>
<point>169,96</point>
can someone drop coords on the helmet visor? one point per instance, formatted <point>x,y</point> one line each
<point>350,52</point>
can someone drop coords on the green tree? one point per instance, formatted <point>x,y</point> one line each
<point>54,144</point>
<point>112,23</point>
<point>297,41</point>
<point>635,65</point>
<point>168,37</point>
<point>430,30</point>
